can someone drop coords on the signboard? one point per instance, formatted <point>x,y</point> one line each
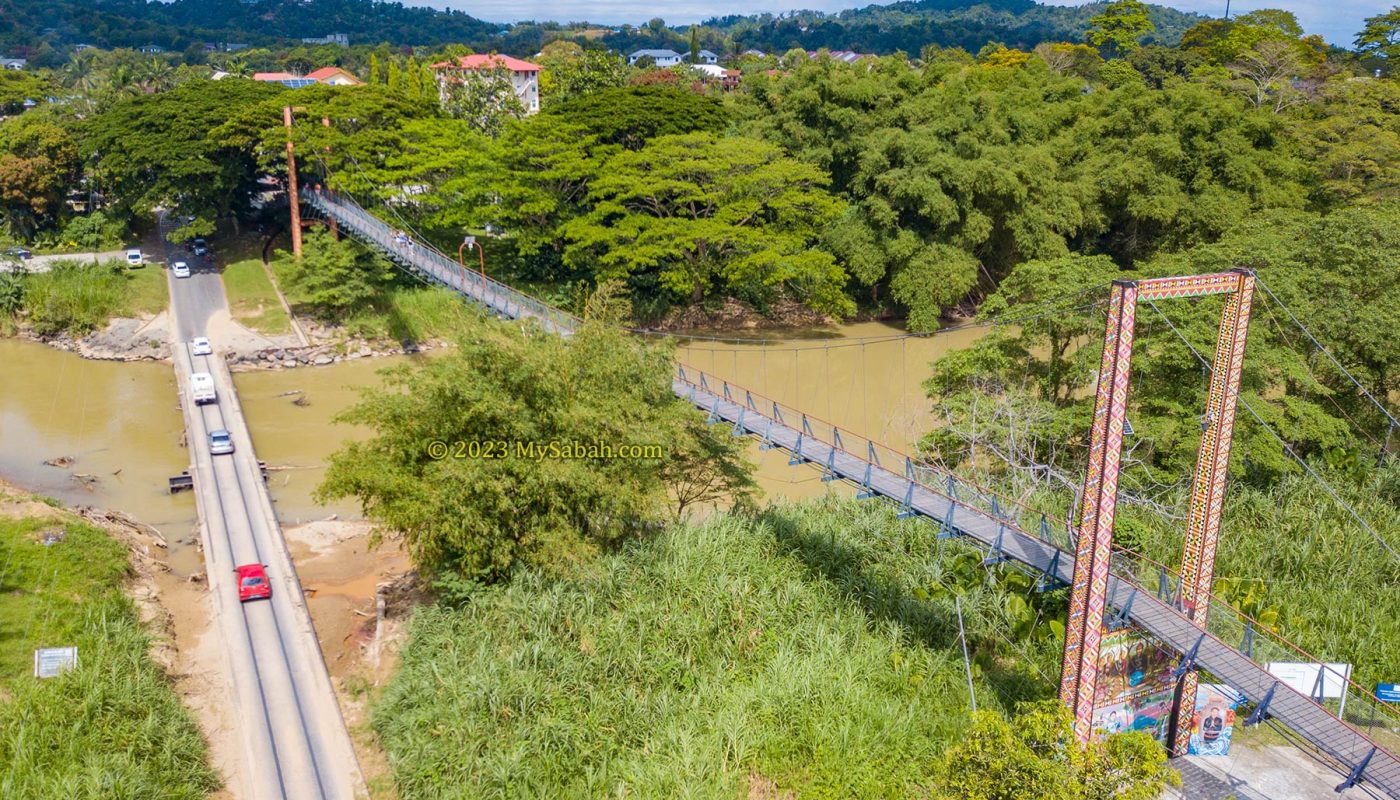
<point>49,661</point>
<point>1388,692</point>
<point>1135,688</point>
<point>1213,723</point>
<point>1302,677</point>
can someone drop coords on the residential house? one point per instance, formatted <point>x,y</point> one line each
<point>334,76</point>
<point>706,57</point>
<point>153,48</point>
<point>524,76</point>
<point>727,78</point>
<point>342,39</point>
<point>13,63</point>
<point>285,78</point>
<point>847,56</point>
<point>755,53</point>
<point>661,58</point>
<point>330,76</point>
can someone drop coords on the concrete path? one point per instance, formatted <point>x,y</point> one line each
<point>45,263</point>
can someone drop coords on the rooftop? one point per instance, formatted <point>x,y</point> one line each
<point>489,62</point>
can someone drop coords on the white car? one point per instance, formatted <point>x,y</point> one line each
<point>200,346</point>
<point>134,258</point>
<point>181,269</point>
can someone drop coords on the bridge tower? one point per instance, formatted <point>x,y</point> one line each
<point>1084,627</point>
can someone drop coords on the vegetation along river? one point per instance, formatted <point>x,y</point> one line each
<point>121,425</point>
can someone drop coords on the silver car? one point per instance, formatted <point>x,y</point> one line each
<point>220,442</point>
<point>181,269</point>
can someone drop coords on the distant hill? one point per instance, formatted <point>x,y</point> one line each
<point>39,26</point>
<point>909,26</point>
<point>182,23</point>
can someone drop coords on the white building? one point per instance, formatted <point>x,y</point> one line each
<point>524,76</point>
<point>661,58</point>
<point>342,39</point>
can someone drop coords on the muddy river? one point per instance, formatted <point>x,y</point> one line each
<point>121,426</point>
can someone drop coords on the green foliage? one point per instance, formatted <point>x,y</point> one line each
<point>579,74</point>
<point>706,661</point>
<point>692,214</point>
<point>110,727</point>
<point>503,387</point>
<point>1036,757</point>
<point>634,115</point>
<point>76,298</point>
<point>334,275</point>
<point>161,149</point>
<point>485,98</point>
<point>38,162</point>
<point>1121,27</point>
<point>1381,36</point>
<point>92,232</point>
<point>16,86</point>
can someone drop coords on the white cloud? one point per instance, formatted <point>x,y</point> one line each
<point>1337,20</point>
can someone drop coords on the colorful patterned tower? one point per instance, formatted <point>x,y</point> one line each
<point>1084,628</point>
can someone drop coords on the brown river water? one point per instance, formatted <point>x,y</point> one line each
<point>121,424</point>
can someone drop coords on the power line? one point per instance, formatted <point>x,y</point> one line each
<point>1286,447</point>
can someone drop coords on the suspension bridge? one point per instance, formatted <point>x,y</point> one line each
<point>1200,628</point>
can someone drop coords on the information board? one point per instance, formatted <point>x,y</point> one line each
<point>49,661</point>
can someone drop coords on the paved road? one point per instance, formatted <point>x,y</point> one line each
<point>196,297</point>
<point>45,263</point>
<point>294,739</point>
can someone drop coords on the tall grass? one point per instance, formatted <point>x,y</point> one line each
<point>111,728</point>
<point>791,651</point>
<point>409,313</point>
<point>78,298</point>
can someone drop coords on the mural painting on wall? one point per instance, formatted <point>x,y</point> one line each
<point>1135,688</point>
<point>1214,721</point>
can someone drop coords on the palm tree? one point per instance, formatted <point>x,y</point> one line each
<point>157,76</point>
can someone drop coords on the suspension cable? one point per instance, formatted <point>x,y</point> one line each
<point>1286,447</point>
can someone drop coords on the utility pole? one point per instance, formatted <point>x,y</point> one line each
<point>292,185</point>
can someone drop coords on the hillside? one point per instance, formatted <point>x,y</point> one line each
<point>183,23</point>
<point>33,26</point>
<point>909,26</point>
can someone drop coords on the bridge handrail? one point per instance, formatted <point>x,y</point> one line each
<point>490,291</point>
<point>1223,617</point>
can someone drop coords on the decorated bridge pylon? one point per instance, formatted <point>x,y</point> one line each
<point>1084,629</point>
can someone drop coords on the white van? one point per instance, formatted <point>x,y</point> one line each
<point>134,258</point>
<point>202,388</point>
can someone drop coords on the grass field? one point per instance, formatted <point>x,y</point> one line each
<point>147,291</point>
<point>113,726</point>
<point>805,653</point>
<point>414,313</point>
<point>252,299</point>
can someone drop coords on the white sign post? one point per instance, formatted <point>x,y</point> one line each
<point>1306,677</point>
<point>49,661</point>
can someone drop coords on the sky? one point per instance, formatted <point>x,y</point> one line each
<point>1337,20</point>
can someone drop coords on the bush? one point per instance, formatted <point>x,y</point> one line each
<point>92,233</point>
<point>74,298</point>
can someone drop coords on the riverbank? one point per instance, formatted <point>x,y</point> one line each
<point>112,724</point>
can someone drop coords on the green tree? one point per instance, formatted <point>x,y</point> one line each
<point>1381,36</point>
<point>634,115</point>
<point>692,214</point>
<point>161,149</point>
<point>374,72</point>
<point>588,72</point>
<point>16,86</point>
<point>1036,757</point>
<point>335,275</point>
<point>1119,30</point>
<point>484,97</point>
<point>694,44</point>
<point>38,165</point>
<point>489,505</point>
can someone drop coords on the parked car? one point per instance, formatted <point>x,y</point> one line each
<point>253,583</point>
<point>200,346</point>
<point>220,442</point>
<point>134,258</point>
<point>181,269</point>
<point>200,247</point>
<point>19,253</point>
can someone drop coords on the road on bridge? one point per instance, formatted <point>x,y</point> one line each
<point>294,741</point>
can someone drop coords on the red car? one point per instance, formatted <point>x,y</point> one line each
<point>252,583</point>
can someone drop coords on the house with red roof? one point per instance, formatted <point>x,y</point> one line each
<point>524,76</point>
<point>335,76</point>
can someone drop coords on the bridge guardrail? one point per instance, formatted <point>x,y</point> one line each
<point>1258,641</point>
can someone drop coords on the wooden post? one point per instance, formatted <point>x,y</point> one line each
<point>292,199</point>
